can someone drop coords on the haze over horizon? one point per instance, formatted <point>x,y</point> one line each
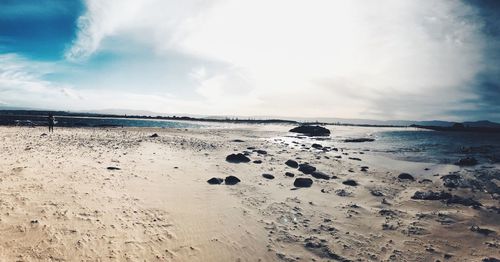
<point>394,59</point>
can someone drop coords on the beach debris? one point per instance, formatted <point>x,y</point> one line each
<point>292,163</point>
<point>43,134</point>
<point>350,182</point>
<point>490,259</point>
<point>306,169</point>
<point>237,141</point>
<point>289,174</point>
<point>467,161</point>
<point>431,195</point>
<point>482,231</point>
<point>310,130</point>
<point>364,168</point>
<point>232,180</point>
<point>320,175</point>
<point>268,176</point>
<point>215,181</point>
<point>113,168</point>
<point>406,176</point>
<point>154,135</point>
<point>237,158</point>
<point>302,182</point>
<point>358,140</point>
<point>320,248</point>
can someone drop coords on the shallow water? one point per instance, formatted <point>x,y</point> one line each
<point>416,145</point>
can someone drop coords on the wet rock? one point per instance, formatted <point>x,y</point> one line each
<point>406,176</point>
<point>302,182</point>
<point>292,163</point>
<point>215,181</point>
<point>306,169</point>
<point>467,161</point>
<point>359,140</point>
<point>154,135</point>
<point>350,182</point>
<point>232,180</point>
<point>289,174</point>
<point>237,158</point>
<point>268,176</point>
<point>430,195</point>
<point>310,130</point>
<point>482,231</point>
<point>113,168</point>
<point>320,175</point>
<point>317,146</point>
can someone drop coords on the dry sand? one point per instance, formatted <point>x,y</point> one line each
<point>60,202</point>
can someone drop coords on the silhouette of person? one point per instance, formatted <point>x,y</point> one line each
<point>51,120</point>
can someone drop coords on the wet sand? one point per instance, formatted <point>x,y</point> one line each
<point>121,195</point>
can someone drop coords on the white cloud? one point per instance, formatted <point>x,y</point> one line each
<point>345,58</point>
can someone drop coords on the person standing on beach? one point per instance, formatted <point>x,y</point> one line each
<point>51,120</point>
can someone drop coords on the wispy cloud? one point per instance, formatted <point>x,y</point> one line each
<point>305,53</point>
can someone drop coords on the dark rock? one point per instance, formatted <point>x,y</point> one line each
<point>268,176</point>
<point>387,213</point>
<point>468,161</point>
<point>237,158</point>
<point>453,181</point>
<point>232,180</point>
<point>342,193</point>
<point>490,259</point>
<point>154,135</point>
<point>430,195</point>
<point>350,182</point>
<point>317,146</point>
<point>376,193</point>
<point>359,140</point>
<point>292,163</point>
<point>257,161</point>
<point>306,168</point>
<point>238,141</point>
<point>465,201</point>
<point>482,231</point>
<point>364,168</point>
<point>260,151</point>
<point>406,176</point>
<point>113,168</point>
<point>320,175</point>
<point>215,181</point>
<point>355,158</point>
<point>289,174</point>
<point>310,130</point>
<point>425,180</point>
<point>302,182</point>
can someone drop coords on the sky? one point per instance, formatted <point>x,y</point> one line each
<point>387,59</point>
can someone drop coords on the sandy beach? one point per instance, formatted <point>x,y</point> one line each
<point>118,194</point>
